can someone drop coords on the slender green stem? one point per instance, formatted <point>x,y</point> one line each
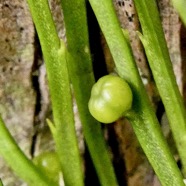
<point>180,5</point>
<point>1,184</point>
<point>142,116</point>
<point>159,60</point>
<point>81,74</point>
<point>54,53</point>
<point>15,158</point>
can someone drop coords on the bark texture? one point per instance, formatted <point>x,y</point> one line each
<point>17,95</point>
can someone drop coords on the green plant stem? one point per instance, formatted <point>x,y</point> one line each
<point>180,5</point>
<point>160,63</point>
<point>142,117</point>
<point>15,158</point>
<point>1,184</point>
<point>81,74</point>
<point>54,53</point>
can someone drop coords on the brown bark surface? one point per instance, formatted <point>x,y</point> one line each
<point>17,96</point>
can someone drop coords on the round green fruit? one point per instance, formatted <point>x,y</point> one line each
<point>49,164</point>
<point>111,98</point>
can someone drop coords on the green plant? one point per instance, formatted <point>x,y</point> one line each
<point>21,165</point>
<point>142,117</point>
<point>111,98</point>
<point>1,184</point>
<point>58,58</point>
<point>157,53</point>
<point>70,62</point>
<point>49,164</point>
<point>180,7</point>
